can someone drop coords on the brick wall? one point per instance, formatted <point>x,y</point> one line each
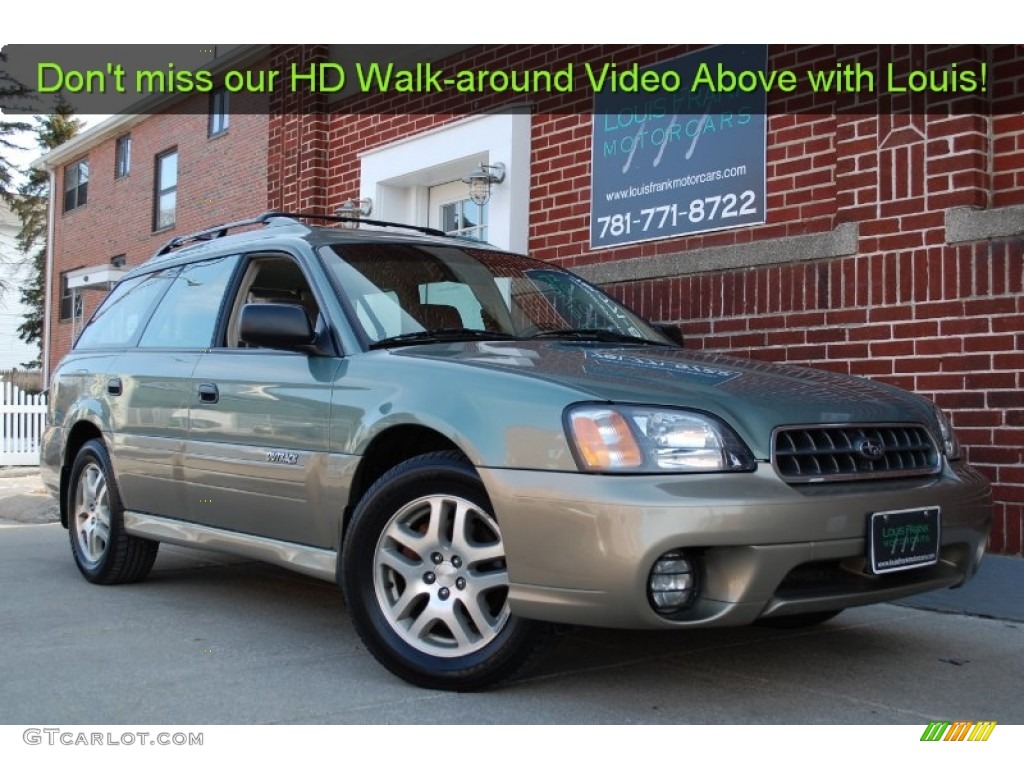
<point>905,306</point>
<point>297,158</point>
<point>219,179</point>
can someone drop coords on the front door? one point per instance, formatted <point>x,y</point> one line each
<point>256,460</point>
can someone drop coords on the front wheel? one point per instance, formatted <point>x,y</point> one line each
<point>426,580</point>
<point>103,551</point>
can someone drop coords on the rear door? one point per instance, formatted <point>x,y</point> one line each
<point>149,385</point>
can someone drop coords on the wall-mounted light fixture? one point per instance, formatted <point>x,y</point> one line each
<point>355,209</point>
<point>480,181</point>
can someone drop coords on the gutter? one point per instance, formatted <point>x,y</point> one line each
<point>47,304</point>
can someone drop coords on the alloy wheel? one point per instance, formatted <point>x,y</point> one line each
<point>92,514</point>
<point>440,576</point>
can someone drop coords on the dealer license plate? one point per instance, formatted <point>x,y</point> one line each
<point>898,541</point>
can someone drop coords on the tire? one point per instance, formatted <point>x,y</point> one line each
<point>424,575</point>
<point>798,620</point>
<point>103,552</point>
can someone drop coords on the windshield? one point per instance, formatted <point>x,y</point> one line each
<point>416,293</point>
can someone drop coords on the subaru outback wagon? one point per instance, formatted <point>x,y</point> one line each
<point>477,446</point>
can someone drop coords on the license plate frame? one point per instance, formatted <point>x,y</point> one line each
<point>904,539</point>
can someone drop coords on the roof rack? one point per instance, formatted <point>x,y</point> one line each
<point>355,219</point>
<point>205,234</point>
<point>221,230</point>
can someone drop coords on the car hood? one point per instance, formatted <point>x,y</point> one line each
<point>753,397</point>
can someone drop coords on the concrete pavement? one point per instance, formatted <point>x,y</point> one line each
<point>217,639</point>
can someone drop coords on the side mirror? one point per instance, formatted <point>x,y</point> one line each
<point>277,326</point>
<point>672,332</point>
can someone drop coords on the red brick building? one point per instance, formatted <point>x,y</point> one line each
<point>891,248</point>
<point>111,220</point>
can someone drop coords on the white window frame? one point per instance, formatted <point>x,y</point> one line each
<point>453,193</point>
<point>220,115</point>
<point>161,190</point>
<point>73,171</point>
<point>122,156</point>
<point>398,176</point>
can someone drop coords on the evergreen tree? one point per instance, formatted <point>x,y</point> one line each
<point>11,91</point>
<point>32,207</point>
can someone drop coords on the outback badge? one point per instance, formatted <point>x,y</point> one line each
<point>282,457</point>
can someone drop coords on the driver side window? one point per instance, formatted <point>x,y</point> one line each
<point>272,279</point>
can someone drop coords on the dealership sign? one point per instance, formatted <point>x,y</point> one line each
<point>685,159</point>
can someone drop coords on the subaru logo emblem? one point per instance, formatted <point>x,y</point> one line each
<point>870,449</point>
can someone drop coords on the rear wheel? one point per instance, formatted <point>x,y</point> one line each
<point>103,551</point>
<point>426,579</point>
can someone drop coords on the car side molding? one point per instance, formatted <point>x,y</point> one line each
<point>318,563</point>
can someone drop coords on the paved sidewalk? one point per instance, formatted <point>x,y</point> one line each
<point>24,499</point>
<point>6,471</point>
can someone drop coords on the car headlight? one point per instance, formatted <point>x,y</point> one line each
<point>950,446</point>
<point>627,438</point>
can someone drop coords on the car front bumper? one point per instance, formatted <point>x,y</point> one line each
<point>580,547</point>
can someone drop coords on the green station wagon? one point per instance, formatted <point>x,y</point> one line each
<point>477,446</point>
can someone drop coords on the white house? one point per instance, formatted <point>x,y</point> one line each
<point>14,353</point>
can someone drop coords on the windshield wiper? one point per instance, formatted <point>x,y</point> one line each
<point>439,335</point>
<point>594,334</point>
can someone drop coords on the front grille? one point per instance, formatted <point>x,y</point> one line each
<point>853,452</point>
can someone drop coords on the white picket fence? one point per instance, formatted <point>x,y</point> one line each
<point>21,425</point>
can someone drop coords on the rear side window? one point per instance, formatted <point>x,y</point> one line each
<point>122,314</point>
<point>188,312</point>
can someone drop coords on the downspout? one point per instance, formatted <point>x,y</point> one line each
<point>50,219</point>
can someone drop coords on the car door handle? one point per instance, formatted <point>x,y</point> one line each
<point>114,386</point>
<point>208,393</point>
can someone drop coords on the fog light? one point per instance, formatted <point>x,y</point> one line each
<point>672,584</point>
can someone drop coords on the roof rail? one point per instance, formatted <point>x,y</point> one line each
<point>354,219</point>
<point>221,230</point>
<point>207,234</point>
